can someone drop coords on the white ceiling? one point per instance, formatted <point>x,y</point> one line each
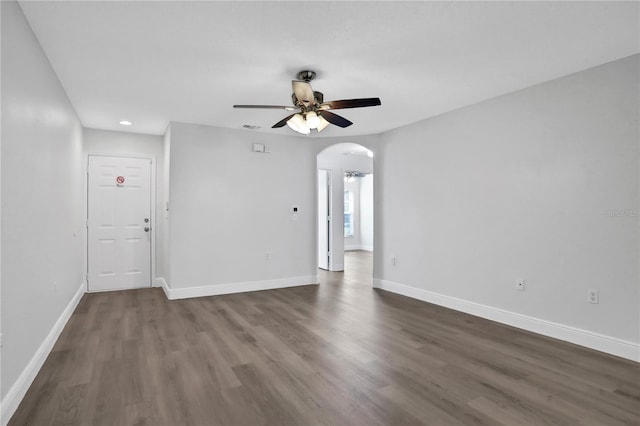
<point>154,62</point>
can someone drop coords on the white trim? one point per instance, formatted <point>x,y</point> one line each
<point>164,285</point>
<point>12,400</point>
<point>158,282</point>
<point>107,290</point>
<point>241,287</point>
<point>611,345</point>
<point>358,247</point>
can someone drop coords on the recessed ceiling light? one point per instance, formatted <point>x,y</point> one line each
<point>126,123</point>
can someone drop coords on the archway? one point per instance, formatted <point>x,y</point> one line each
<point>345,206</point>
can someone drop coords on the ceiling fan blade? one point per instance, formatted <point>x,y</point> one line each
<point>335,119</point>
<point>282,122</point>
<point>351,103</point>
<point>288,108</point>
<point>303,91</point>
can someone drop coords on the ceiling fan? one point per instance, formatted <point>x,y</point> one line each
<point>311,112</point>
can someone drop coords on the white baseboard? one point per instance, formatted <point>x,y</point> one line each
<point>160,282</point>
<point>358,247</point>
<point>12,400</point>
<point>599,342</point>
<point>157,282</point>
<point>241,287</point>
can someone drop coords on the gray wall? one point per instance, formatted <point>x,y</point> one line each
<point>528,185</point>
<point>230,206</point>
<point>42,226</point>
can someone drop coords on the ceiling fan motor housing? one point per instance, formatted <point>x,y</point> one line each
<point>306,75</point>
<point>317,96</point>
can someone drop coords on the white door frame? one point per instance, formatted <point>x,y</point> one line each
<point>325,218</point>
<point>153,209</point>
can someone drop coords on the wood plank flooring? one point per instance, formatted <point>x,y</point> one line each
<point>337,354</point>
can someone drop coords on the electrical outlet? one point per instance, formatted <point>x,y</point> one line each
<point>393,260</point>
<point>593,295</point>
<point>267,256</point>
<point>520,285</point>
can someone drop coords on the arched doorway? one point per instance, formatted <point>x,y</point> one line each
<point>345,207</point>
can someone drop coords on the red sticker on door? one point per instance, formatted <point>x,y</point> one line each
<point>120,180</point>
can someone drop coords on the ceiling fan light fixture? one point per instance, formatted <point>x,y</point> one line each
<point>298,124</point>
<point>322,123</point>
<point>312,120</point>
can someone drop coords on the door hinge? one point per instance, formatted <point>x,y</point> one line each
<point>328,218</point>
<point>328,254</point>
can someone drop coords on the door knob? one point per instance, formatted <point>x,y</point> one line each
<point>146,229</point>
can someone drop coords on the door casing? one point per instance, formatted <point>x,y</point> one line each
<point>324,219</point>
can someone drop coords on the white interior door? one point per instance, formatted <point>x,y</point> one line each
<point>119,223</point>
<point>324,218</point>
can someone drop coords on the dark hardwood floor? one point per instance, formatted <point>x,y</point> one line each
<point>338,354</point>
